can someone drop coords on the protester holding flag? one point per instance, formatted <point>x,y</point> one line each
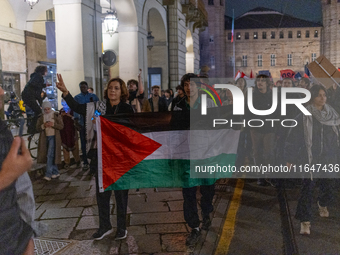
<point>315,140</point>
<point>192,101</point>
<point>115,97</point>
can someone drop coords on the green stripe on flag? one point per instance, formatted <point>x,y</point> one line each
<point>171,173</point>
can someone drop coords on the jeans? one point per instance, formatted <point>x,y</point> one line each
<point>190,204</point>
<point>51,167</point>
<point>304,207</point>
<point>82,133</point>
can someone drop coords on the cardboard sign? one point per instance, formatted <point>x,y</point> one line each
<point>323,70</point>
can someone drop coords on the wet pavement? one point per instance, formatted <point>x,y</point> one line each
<point>155,218</point>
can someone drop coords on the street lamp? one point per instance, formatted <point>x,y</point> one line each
<point>31,2</point>
<point>149,37</point>
<point>111,22</point>
<point>150,40</point>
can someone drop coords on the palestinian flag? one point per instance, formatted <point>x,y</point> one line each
<point>147,150</point>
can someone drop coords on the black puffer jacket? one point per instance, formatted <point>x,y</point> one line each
<point>34,87</point>
<point>15,233</point>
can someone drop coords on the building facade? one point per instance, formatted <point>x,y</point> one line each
<point>81,39</point>
<point>213,40</point>
<point>331,31</point>
<point>269,40</point>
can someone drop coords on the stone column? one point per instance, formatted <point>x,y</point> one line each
<point>177,37</point>
<point>78,42</point>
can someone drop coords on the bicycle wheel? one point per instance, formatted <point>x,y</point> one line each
<point>33,145</point>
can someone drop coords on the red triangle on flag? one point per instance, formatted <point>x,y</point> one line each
<point>251,74</point>
<point>122,149</point>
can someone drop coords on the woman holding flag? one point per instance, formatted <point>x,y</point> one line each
<point>115,97</point>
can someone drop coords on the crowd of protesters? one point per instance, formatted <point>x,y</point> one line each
<point>314,140</point>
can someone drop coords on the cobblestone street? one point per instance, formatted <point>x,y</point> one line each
<point>155,218</point>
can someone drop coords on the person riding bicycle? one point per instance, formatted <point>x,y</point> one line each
<point>32,94</point>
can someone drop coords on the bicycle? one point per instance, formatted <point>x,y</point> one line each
<point>33,140</point>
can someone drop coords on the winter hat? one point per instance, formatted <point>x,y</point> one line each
<point>46,104</point>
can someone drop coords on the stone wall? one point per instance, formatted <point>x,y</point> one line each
<point>13,52</point>
<point>213,40</point>
<point>331,31</point>
<point>36,51</point>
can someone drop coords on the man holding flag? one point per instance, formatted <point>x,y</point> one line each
<point>192,101</point>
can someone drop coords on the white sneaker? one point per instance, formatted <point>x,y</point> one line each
<point>47,178</point>
<point>54,176</point>
<point>323,211</point>
<point>305,228</point>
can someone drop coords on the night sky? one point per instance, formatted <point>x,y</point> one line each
<point>303,9</point>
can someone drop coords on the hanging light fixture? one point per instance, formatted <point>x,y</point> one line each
<point>111,22</point>
<point>150,40</point>
<point>150,37</point>
<point>31,2</point>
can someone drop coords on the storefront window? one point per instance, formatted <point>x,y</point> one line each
<point>11,83</point>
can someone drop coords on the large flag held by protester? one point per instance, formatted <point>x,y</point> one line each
<point>287,73</point>
<point>149,150</point>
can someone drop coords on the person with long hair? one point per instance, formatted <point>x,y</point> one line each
<point>315,140</point>
<point>115,97</point>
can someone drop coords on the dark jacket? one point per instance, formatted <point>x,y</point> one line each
<point>179,102</point>
<point>34,87</point>
<point>162,106</point>
<point>325,149</point>
<point>81,108</point>
<point>282,132</point>
<point>263,101</point>
<point>15,233</point>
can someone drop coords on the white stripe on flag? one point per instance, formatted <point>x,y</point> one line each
<point>194,144</point>
<point>100,153</point>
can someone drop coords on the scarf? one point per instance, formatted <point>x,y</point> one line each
<point>328,116</point>
<point>91,108</point>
